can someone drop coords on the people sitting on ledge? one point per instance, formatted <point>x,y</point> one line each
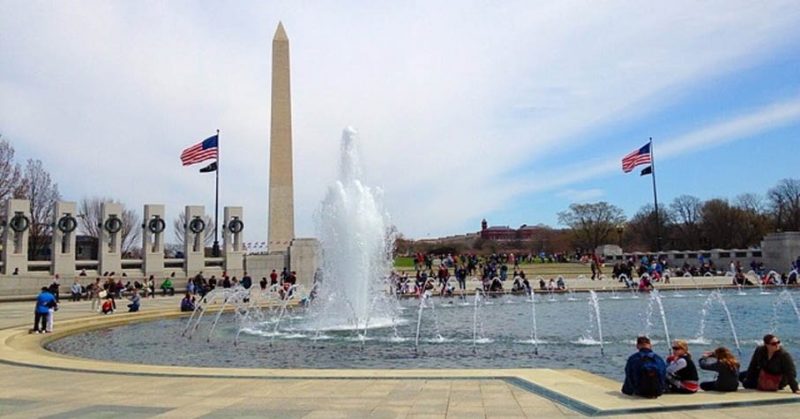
<point>724,363</point>
<point>167,287</point>
<point>771,367</point>
<point>187,303</point>
<point>740,278</point>
<point>682,374</point>
<point>136,301</point>
<point>645,371</point>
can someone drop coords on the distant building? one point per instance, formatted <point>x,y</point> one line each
<point>506,233</point>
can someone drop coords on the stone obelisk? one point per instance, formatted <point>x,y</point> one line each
<point>281,185</point>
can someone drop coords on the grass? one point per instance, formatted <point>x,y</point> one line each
<point>544,269</point>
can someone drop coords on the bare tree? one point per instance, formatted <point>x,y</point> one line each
<point>11,180</point>
<point>180,221</point>
<point>592,224</point>
<point>90,213</point>
<point>755,221</point>
<point>784,200</point>
<point>686,212</point>
<point>642,230</point>
<point>42,193</point>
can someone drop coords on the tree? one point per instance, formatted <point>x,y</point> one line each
<point>90,213</point>
<point>755,222</point>
<point>11,179</point>
<point>592,224</point>
<point>642,232</point>
<point>42,193</point>
<point>686,215</point>
<point>180,221</point>
<point>724,225</point>
<point>784,201</point>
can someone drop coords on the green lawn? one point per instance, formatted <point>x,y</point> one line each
<point>543,269</point>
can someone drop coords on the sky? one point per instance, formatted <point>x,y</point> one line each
<point>509,111</point>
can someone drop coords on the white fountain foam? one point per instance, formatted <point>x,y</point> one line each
<point>355,243</point>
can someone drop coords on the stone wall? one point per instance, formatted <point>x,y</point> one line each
<point>781,249</point>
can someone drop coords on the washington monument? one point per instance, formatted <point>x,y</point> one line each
<point>281,186</point>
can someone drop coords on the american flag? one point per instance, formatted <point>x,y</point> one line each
<point>637,157</point>
<point>202,151</point>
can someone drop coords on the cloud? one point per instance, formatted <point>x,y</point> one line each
<point>762,120</point>
<point>575,195</point>
<point>450,99</point>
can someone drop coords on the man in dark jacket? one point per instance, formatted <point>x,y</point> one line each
<point>645,371</point>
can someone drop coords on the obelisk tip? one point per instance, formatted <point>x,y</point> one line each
<point>280,33</point>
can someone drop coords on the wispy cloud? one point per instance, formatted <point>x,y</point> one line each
<point>759,121</point>
<point>581,195</point>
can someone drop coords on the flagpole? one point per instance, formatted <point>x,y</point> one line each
<point>215,249</point>
<point>655,196</point>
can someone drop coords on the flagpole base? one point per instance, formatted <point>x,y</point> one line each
<point>215,249</point>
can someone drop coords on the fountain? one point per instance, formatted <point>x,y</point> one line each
<point>716,296</point>
<point>785,297</point>
<point>534,331</point>
<point>655,296</point>
<point>355,248</point>
<point>595,303</point>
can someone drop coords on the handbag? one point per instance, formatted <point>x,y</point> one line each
<point>768,382</point>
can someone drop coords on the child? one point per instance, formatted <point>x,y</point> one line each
<point>108,306</point>
<point>50,313</point>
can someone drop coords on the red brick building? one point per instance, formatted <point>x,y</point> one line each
<point>505,233</point>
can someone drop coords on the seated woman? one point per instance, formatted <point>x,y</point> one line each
<point>517,287</point>
<point>771,368</point>
<point>681,373</point>
<point>187,303</point>
<point>135,301</point>
<point>722,361</point>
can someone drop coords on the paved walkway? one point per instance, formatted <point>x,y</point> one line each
<point>38,383</point>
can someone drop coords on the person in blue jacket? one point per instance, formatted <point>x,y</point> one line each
<point>645,371</point>
<point>44,302</point>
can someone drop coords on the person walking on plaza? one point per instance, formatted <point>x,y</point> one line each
<point>725,364</point>
<point>98,293</point>
<point>645,371</point>
<point>771,367</point>
<point>44,301</point>
<point>55,287</point>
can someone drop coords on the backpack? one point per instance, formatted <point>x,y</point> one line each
<point>650,383</point>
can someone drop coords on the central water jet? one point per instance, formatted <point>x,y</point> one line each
<point>356,249</point>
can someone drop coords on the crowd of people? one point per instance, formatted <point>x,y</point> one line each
<point>106,290</point>
<point>648,375</point>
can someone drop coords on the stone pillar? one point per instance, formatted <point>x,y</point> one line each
<point>194,240</point>
<point>63,244</point>
<point>153,230</point>
<point>109,248</point>
<point>281,184</point>
<point>15,236</point>
<point>232,234</point>
<point>303,261</point>
<point>778,250</point>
